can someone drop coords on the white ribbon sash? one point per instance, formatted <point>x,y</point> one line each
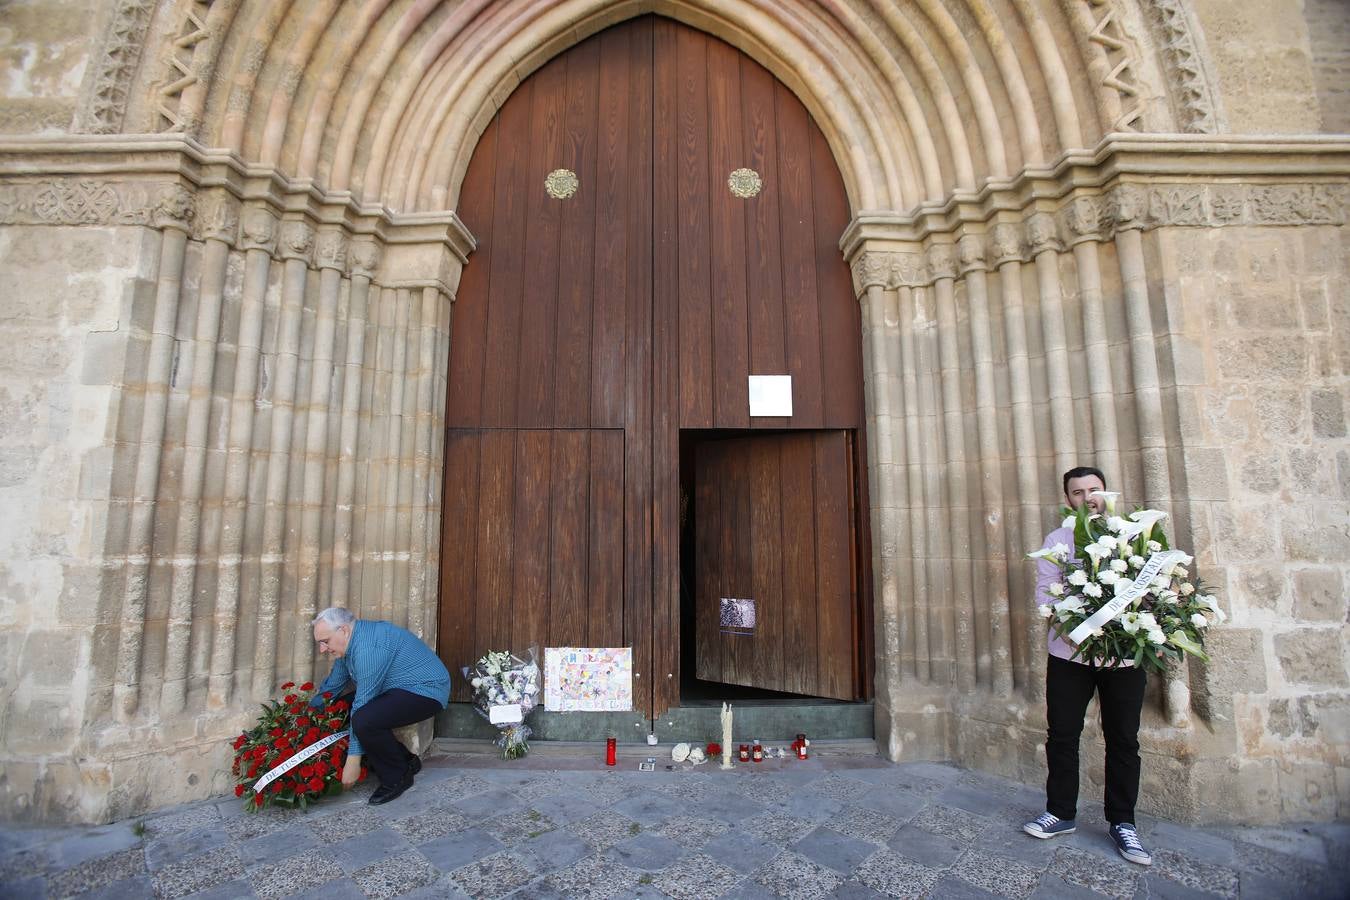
<point>1156,563</point>
<point>277,771</point>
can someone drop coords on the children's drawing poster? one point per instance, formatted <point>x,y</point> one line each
<point>588,679</point>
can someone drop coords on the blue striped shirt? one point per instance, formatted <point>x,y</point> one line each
<point>381,657</point>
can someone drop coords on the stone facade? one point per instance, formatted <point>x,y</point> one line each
<point>228,255</point>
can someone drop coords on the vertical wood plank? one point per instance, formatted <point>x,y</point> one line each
<point>458,607</point>
<point>569,531</point>
<point>528,600</point>
<point>763,223</point>
<point>496,495</point>
<point>801,318</point>
<point>708,516</point>
<point>539,295</point>
<point>605,606</point>
<point>799,564</point>
<point>576,262</point>
<point>507,276</point>
<point>469,347</point>
<point>612,232</point>
<point>726,220</point>
<point>695,321</point>
<point>840,313</point>
<point>834,577</point>
<point>769,652</point>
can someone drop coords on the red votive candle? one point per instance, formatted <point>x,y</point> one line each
<point>744,753</point>
<point>611,751</point>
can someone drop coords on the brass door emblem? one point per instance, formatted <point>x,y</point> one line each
<point>561,183</point>
<point>745,183</point>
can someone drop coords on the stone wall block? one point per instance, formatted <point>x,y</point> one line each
<point>1280,413</point>
<point>1315,536</point>
<point>1261,472</point>
<point>1206,473</point>
<point>1311,472</point>
<point>1319,595</point>
<point>1237,663</point>
<point>1328,413</point>
<point>1262,588</point>
<point>1279,357</point>
<point>1327,716</point>
<point>1307,791</point>
<point>1314,657</point>
<point>1246,533</point>
<point>1232,791</point>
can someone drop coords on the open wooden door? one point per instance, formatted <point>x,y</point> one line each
<point>776,589</point>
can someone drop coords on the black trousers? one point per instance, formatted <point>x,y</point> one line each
<point>374,726</point>
<point>1120,695</point>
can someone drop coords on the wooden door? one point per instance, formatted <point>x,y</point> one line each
<point>635,306</point>
<point>776,591</point>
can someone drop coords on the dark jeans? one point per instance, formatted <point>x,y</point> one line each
<point>374,726</point>
<point>1120,695</point>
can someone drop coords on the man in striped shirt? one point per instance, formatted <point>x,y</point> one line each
<point>399,681</point>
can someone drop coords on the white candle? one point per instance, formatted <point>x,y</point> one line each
<point>726,736</point>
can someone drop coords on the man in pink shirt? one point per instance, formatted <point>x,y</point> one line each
<point>1069,685</point>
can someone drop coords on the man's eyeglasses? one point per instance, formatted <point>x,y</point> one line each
<point>323,642</point>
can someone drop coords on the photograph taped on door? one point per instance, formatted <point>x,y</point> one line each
<point>737,616</point>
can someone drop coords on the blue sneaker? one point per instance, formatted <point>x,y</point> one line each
<point>1127,842</point>
<point>1048,825</point>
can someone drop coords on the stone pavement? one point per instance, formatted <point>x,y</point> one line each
<point>560,824</point>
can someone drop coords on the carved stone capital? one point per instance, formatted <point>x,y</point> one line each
<point>1005,241</point>
<point>1084,218</point>
<point>218,217</point>
<point>175,209</point>
<point>909,270</point>
<point>1129,207</point>
<point>1042,234</point>
<point>970,250</point>
<point>330,251</point>
<point>260,229</point>
<point>871,269</point>
<point>365,257</point>
<point>941,262</point>
<point>297,241</point>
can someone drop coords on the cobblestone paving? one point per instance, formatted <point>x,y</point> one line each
<point>841,826</point>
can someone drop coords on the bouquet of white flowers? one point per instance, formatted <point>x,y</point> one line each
<point>505,688</point>
<point>1127,596</point>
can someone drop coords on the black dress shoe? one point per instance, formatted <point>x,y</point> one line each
<point>386,792</point>
<point>414,766</point>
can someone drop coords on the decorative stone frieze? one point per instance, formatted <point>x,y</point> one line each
<point>297,241</point>
<point>1192,97</point>
<point>1108,33</point>
<point>105,101</point>
<point>330,250</point>
<point>218,217</point>
<point>184,68</point>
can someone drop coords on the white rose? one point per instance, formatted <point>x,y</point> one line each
<point>1154,547</point>
<point>1108,576</point>
<point>1092,589</point>
<point>1199,621</point>
<point>1056,590</point>
<point>1136,562</point>
<point>1187,589</point>
<point>1119,565</point>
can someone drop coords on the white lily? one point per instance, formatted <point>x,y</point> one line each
<point>1069,522</point>
<point>1043,553</point>
<point>1130,622</point>
<point>1071,605</point>
<point>1109,498</point>
<point>1147,518</point>
<point>1097,552</point>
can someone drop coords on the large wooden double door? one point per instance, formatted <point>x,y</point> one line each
<point>620,296</point>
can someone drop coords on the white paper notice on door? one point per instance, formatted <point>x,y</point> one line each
<point>770,395</point>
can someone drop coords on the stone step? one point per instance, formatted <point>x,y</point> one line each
<point>767,721</point>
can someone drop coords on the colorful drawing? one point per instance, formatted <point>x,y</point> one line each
<point>590,679</point>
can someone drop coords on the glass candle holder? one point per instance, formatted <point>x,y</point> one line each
<point>611,751</point>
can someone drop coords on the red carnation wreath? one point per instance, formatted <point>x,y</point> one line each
<point>294,755</point>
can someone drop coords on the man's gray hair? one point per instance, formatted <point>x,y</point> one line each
<point>335,616</point>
